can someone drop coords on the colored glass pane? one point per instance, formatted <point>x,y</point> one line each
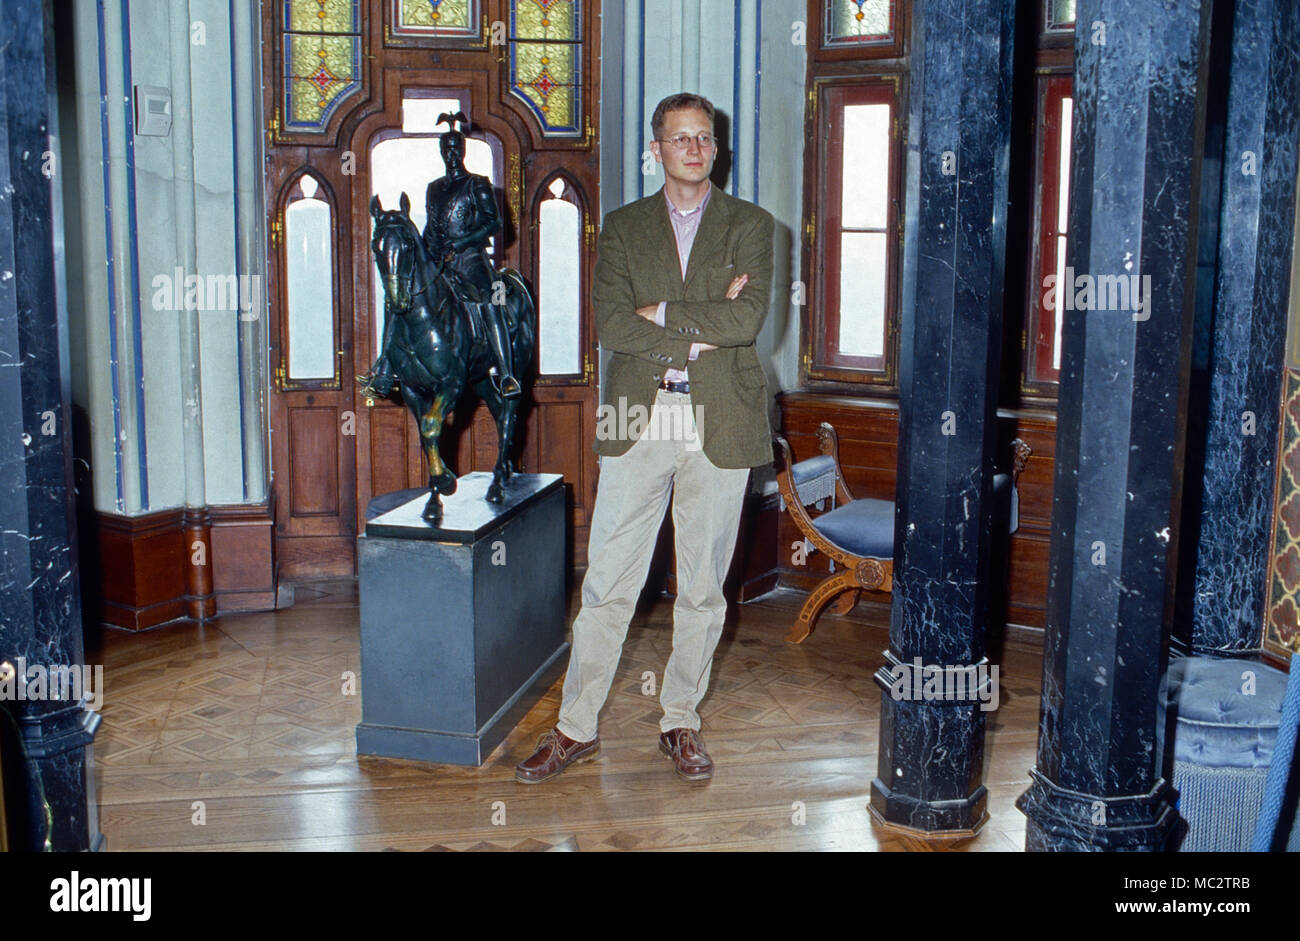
<point>849,21</point>
<point>545,19</point>
<point>320,69</point>
<point>546,76</point>
<point>322,16</point>
<point>435,14</point>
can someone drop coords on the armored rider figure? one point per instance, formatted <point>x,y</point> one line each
<point>462,215</point>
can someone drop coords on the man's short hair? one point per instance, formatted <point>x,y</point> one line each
<point>680,102</point>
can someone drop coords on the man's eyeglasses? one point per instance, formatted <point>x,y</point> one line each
<point>683,141</point>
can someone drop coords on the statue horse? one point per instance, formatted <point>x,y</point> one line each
<point>432,351</point>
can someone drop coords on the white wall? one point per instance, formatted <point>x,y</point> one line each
<point>739,54</point>
<point>177,415</point>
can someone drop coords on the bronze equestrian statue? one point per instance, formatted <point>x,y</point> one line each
<point>449,318</point>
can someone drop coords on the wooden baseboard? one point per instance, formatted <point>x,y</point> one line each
<point>305,558</point>
<point>757,587</point>
<point>243,550</point>
<point>180,564</point>
<point>142,567</point>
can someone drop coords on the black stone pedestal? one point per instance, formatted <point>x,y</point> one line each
<point>462,622</point>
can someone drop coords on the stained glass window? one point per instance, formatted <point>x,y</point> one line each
<point>322,60</point>
<point>859,21</point>
<point>438,19</point>
<point>546,62</point>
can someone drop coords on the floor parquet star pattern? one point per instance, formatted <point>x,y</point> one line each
<point>240,735</point>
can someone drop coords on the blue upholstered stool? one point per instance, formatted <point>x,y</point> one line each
<point>1223,741</point>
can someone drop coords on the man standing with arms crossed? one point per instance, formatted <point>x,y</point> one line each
<point>680,293</point>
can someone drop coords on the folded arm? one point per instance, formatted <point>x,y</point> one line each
<point>618,327</point>
<point>732,322</point>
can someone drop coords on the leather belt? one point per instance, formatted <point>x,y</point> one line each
<point>675,385</point>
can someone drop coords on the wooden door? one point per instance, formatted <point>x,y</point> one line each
<point>312,401</point>
<point>385,70</point>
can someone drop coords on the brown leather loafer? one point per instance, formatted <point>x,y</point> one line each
<point>686,749</point>
<point>555,752</point>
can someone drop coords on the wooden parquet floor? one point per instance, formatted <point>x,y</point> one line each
<point>245,723</point>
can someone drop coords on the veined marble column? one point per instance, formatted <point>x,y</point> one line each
<point>40,607</point>
<point>930,770</point>
<point>1139,98</point>
<point>1250,314</point>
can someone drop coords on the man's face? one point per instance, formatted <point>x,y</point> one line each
<point>694,163</point>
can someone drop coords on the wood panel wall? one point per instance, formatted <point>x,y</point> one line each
<point>168,566</point>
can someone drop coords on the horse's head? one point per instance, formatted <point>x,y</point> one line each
<point>396,246</point>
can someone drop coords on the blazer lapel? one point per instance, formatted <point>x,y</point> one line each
<point>710,239</point>
<point>662,242</point>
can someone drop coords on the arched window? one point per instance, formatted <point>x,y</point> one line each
<point>409,160</point>
<point>311,329</point>
<point>559,281</point>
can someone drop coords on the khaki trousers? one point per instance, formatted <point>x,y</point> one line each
<point>631,496</point>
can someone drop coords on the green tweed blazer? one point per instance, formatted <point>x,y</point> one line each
<point>637,266</point>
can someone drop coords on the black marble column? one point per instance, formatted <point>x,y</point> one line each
<point>40,612</point>
<point>1135,186</point>
<point>1250,313</point>
<point>930,770</point>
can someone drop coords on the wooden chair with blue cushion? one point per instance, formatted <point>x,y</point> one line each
<point>856,535</point>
